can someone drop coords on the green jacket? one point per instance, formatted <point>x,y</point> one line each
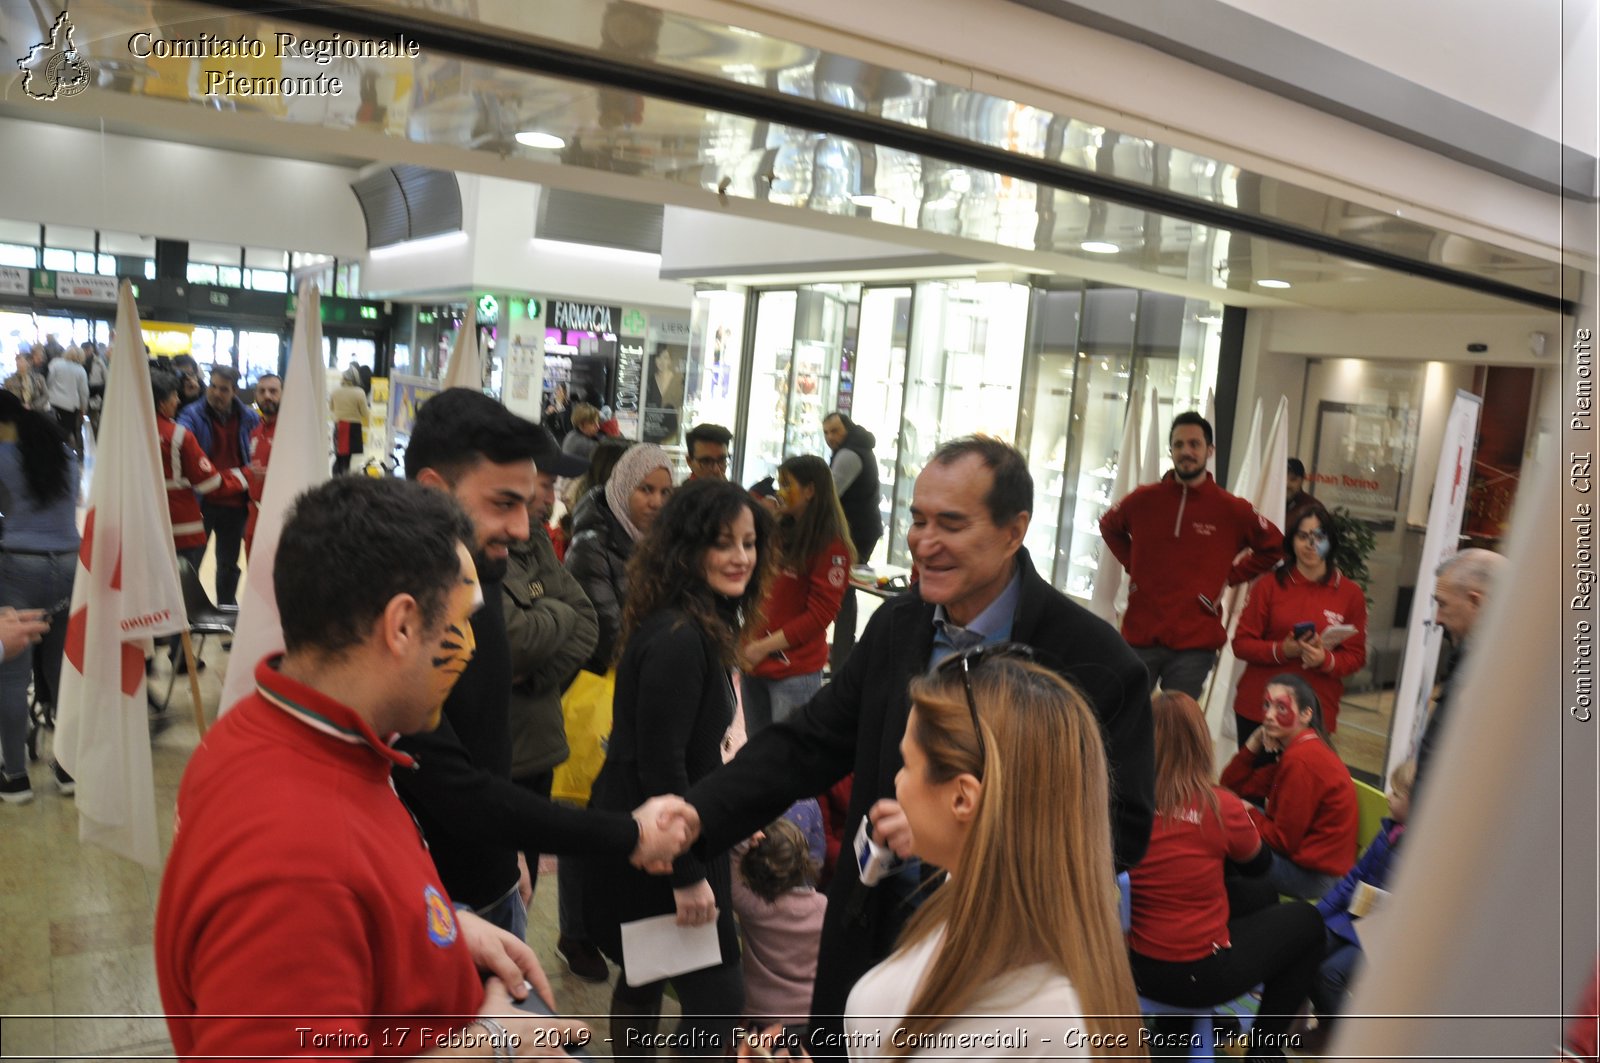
<point>552,628</point>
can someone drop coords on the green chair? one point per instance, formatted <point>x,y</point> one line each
<point>1371,807</point>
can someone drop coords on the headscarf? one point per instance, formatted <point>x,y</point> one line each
<point>352,376</point>
<point>636,463</point>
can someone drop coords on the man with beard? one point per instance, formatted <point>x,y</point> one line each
<point>269,394</point>
<point>1184,541</point>
<point>222,424</point>
<point>476,820</point>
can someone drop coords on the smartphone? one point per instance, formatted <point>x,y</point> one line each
<point>874,862</point>
<point>1304,630</point>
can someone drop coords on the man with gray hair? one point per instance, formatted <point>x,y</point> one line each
<point>1461,582</point>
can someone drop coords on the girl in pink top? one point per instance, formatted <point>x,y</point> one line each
<point>780,914</point>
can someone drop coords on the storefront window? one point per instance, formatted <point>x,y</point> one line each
<point>716,338</point>
<point>19,255</point>
<point>878,386</point>
<point>771,359</point>
<point>1047,420</point>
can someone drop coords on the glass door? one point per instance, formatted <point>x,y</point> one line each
<point>919,420</point>
<point>818,336</point>
<point>260,352</point>
<point>880,379</point>
<point>1047,423</point>
<point>770,370</point>
<point>1099,405</point>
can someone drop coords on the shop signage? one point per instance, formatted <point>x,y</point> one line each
<point>584,317</point>
<point>86,287</point>
<point>44,282</point>
<point>1361,456</point>
<point>13,281</point>
<point>630,373</point>
<point>634,322</point>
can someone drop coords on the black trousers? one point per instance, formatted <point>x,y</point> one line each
<point>844,625</point>
<point>227,524</point>
<point>712,1000</point>
<point>71,422</point>
<point>1276,946</point>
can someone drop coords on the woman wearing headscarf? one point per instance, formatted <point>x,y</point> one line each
<point>606,524</point>
<point>350,412</point>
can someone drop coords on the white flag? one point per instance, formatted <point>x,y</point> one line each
<point>126,593</point>
<point>299,462</point>
<point>466,367</point>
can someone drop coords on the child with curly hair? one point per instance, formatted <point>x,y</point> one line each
<point>780,914</point>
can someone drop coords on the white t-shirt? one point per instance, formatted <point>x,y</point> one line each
<point>1030,1012</point>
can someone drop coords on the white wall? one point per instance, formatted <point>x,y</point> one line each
<point>67,176</point>
<point>1415,337</point>
<point>1509,62</point>
<point>700,243</point>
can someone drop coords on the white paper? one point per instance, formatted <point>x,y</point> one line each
<point>657,948</point>
<point>1336,635</point>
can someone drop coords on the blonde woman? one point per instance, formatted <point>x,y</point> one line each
<point>1026,925</point>
<point>350,413</point>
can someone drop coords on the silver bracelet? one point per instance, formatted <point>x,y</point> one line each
<point>499,1036</point>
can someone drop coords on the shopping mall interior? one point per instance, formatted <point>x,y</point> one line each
<point>1033,219</point>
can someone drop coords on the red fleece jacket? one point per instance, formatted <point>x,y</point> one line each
<point>1311,815</point>
<point>803,604</point>
<point>1273,611</point>
<point>1180,541</point>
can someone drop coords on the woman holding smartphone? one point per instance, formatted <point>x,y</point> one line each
<point>1307,619</point>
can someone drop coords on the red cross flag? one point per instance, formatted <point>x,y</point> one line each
<point>125,594</point>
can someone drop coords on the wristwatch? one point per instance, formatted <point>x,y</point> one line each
<point>499,1036</point>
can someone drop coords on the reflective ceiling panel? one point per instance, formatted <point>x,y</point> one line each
<point>1106,205</point>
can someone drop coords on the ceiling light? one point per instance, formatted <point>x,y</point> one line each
<point>532,138</point>
<point>871,202</point>
<point>1274,284</point>
<point>1099,247</point>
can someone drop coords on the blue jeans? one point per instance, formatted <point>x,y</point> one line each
<point>508,913</point>
<point>227,524</point>
<point>32,581</point>
<point>769,701</point>
<point>1339,969</point>
<point>1286,876</point>
<point>1181,671</point>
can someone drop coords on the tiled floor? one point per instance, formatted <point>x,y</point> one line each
<point>76,922</point>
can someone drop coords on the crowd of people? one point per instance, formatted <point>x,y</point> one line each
<point>993,803</point>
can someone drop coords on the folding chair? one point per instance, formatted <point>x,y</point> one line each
<point>205,620</point>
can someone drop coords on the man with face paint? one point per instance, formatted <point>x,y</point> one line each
<point>287,823</point>
<point>476,819</point>
<point>1462,583</point>
<point>1181,541</point>
<point>269,394</point>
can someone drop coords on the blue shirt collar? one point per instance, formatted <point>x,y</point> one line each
<point>988,627</point>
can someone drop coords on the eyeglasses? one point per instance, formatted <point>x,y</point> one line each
<point>712,463</point>
<point>1310,537</point>
<point>968,660</point>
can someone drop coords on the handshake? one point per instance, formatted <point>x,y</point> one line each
<point>668,825</point>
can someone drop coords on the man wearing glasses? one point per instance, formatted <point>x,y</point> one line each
<point>978,587</point>
<point>708,451</point>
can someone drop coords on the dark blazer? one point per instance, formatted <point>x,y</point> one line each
<point>855,724</point>
<point>672,709</point>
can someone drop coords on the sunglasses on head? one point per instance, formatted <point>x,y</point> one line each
<point>967,661</point>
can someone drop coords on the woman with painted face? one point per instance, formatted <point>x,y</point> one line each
<point>784,665</point>
<point>1307,619</point>
<point>1307,815</point>
<point>1003,783</point>
<point>1194,942</point>
<point>694,584</point>
<point>607,523</point>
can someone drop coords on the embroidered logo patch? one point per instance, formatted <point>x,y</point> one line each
<point>442,928</point>
<point>836,577</point>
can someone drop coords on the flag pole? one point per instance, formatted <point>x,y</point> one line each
<point>194,684</point>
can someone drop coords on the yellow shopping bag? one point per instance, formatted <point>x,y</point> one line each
<point>586,708</point>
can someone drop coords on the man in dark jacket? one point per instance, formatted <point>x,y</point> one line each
<point>222,425</point>
<point>970,513</point>
<point>855,477</point>
<point>476,820</point>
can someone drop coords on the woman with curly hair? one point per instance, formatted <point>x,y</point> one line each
<point>1003,783</point>
<point>39,495</point>
<point>694,582</point>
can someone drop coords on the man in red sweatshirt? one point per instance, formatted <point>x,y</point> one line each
<point>1184,541</point>
<point>269,394</point>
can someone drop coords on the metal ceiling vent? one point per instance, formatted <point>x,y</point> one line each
<point>408,202</point>
<point>582,218</point>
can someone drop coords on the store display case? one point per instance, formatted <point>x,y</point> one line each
<point>794,376</point>
<point>878,394</point>
<point>771,356</point>
<point>716,338</point>
<point>1046,422</point>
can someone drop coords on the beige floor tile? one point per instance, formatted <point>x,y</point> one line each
<point>25,972</point>
<point>106,999</point>
<point>28,1038</point>
<point>102,931</point>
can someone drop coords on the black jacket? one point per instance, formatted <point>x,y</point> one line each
<point>855,724</point>
<point>552,630</point>
<point>473,816</point>
<point>673,706</point>
<point>597,557</point>
<point>860,501</point>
